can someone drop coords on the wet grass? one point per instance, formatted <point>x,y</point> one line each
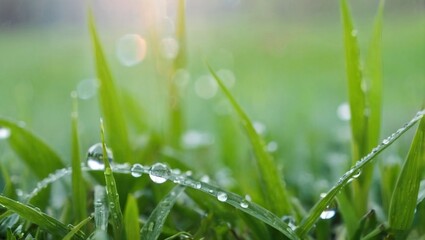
<point>266,158</point>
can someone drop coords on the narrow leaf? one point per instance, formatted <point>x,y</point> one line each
<point>33,151</point>
<point>46,222</point>
<point>131,219</point>
<point>76,228</point>
<point>109,99</point>
<point>308,222</point>
<point>153,226</point>
<point>274,191</point>
<point>101,211</point>
<point>78,184</point>
<point>403,201</point>
<point>111,191</point>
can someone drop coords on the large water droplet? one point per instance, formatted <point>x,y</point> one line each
<point>327,214</point>
<point>343,111</point>
<point>136,170</point>
<point>4,133</point>
<point>221,196</point>
<point>159,173</point>
<point>95,157</point>
<point>206,87</point>
<point>244,203</point>
<point>131,49</point>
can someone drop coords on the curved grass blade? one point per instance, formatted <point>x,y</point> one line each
<point>153,226</point>
<point>131,219</point>
<point>33,151</point>
<point>111,191</point>
<point>109,99</point>
<point>232,199</point>
<point>403,201</point>
<point>76,228</point>
<point>274,191</point>
<point>308,222</point>
<point>78,184</point>
<point>30,214</point>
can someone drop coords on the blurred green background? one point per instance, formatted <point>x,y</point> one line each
<point>286,59</point>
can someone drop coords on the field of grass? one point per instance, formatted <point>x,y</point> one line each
<point>290,80</point>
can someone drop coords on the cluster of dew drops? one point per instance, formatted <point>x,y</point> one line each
<point>158,173</point>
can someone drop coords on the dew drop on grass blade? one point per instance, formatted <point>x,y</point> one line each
<point>314,214</point>
<point>275,192</point>
<point>153,226</point>
<point>405,194</point>
<point>76,228</point>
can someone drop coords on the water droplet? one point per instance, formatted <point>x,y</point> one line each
<point>136,170</point>
<point>4,133</point>
<point>272,146</point>
<point>260,128</point>
<point>131,49</point>
<point>386,141</point>
<point>205,179</point>
<point>206,87</point>
<point>327,214</point>
<point>227,77</point>
<point>354,33</point>
<point>95,157</point>
<point>86,89</point>
<point>343,111</point>
<point>159,173</point>
<point>357,174</point>
<point>198,185</point>
<point>221,196</point>
<point>244,203</point>
<point>170,47</point>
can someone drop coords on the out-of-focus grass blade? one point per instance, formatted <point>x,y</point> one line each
<point>33,151</point>
<point>275,192</point>
<point>78,184</point>
<point>374,75</point>
<point>30,214</point>
<point>111,191</point>
<point>358,106</point>
<point>109,99</point>
<point>76,228</point>
<point>131,219</point>
<point>8,190</point>
<point>10,235</point>
<point>403,201</point>
<point>308,222</point>
<point>152,228</point>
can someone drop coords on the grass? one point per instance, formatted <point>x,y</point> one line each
<point>236,186</point>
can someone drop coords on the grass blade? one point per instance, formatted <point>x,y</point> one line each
<point>46,222</point>
<point>109,99</point>
<point>275,192</point>
<point>153,226</point>
<point>101,212</point>
<point>308,222</point>
<point>78,184</point>
<point>33,151</point>
<point>76,228</point>
<point>111,191</point>
<point>131,219</point>
<point>403,201</point>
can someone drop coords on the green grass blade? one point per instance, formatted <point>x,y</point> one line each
<point>33,151</point>
<point>403,201</point>
<point>101,211</point>
<point>153,226</point>
<point>78,184</point>
<point>76,228</point>
<point>275,192</point>
<point>131,219</point>
<point>30,214</point>
<point>111,191</point>
<point>109,99</point>
<point>308,222</point>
